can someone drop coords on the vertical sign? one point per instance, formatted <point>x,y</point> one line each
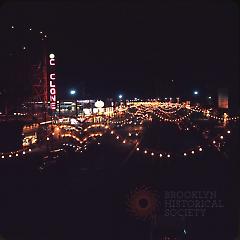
<point>52,83</point>
<point>223,98</point>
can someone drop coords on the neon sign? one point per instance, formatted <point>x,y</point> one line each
<point>52,83</point>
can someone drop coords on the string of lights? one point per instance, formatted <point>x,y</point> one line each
<point>15,154</point>
<point>179,119</point>
<point>133,121</point>
<point>216,142</point>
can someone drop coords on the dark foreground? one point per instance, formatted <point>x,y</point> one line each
<point>85,196</point>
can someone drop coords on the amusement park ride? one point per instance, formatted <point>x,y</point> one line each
<point>43,84</point>
<point>34,69</point>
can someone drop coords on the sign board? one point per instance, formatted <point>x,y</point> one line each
<point>223,98</point>
<point>99,104</point>
<point>52,82</point>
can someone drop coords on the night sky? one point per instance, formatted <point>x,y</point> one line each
<point>134,49</point>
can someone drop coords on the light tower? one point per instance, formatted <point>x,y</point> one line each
<point>40,79</point>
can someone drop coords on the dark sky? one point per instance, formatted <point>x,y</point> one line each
<point>134,49</point>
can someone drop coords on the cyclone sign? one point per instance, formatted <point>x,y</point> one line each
<point>52,83</point>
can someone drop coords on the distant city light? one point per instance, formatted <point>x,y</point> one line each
<point>195,92</point>
<point>120,96</point>
<point>51,55</point>
<point>209,97</point>
<point>30,29</point>
<point>72,92</point>
<point>12,27</point>
<point>24,48</point>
